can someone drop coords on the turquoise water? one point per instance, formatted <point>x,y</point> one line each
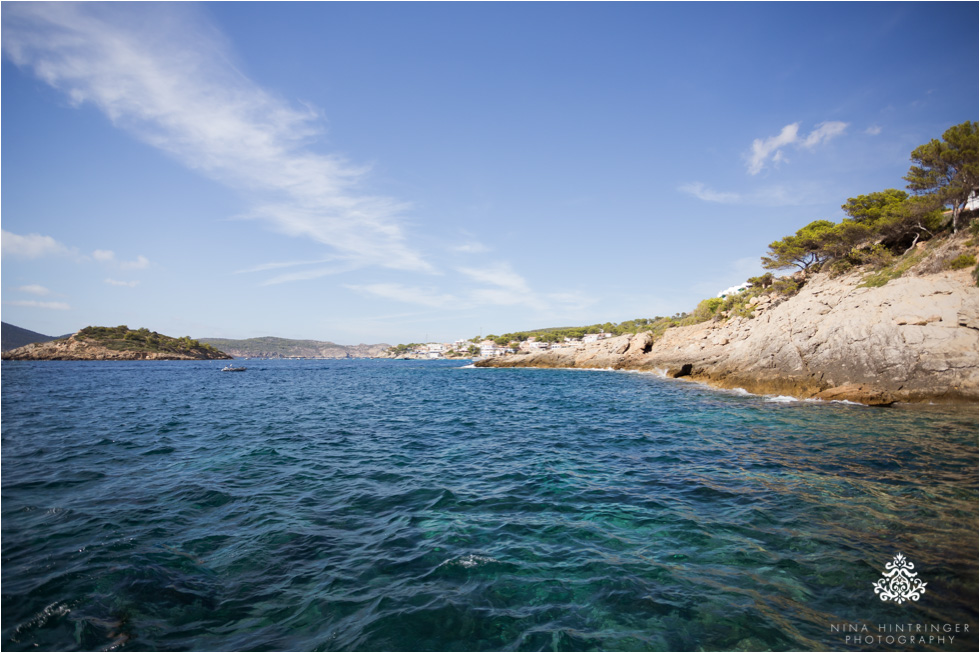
<point>418,505</point>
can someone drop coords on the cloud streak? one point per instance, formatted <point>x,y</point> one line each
<point>167,78</point>
<point>503,286</point>
<point>34,289</point>
<point>30,303</point>
<point>702,192</point>
<point>108,256</point>
<point>770,151</point>
<point>800,194</point>
<point>31,246</point>
<point>408,294</point>
<point>823,133</point>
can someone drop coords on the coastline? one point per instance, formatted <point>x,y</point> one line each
<point>912,340</point>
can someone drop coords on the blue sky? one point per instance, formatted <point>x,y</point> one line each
<point>403,172</point>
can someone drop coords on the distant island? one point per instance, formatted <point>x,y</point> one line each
<point>270,347</point>
<point>15,336</point>
<point>116,343</point>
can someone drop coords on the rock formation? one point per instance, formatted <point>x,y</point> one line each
<point>76,348</point>
<point>913,339</point>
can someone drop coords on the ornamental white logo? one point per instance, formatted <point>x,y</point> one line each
<point>899,582</point>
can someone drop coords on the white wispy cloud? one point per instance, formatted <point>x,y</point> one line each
<point>472,247</point>
<point>34,289</point>
<point>503,286</point>
<point>278,265</point>
<point>164,75</point>
<point>108,256</point>
<point>770,151</point>
<point>775,195</point>
<point>873,130</point>
<point>823,133</point>
<point>141,263</point>
<point>497,284</point>
<point>31,246</point>
<point>702,192</point>
<point>499,274</point>
<point>764,149</point>
<point>315,273</point>
<point>129,284</point>
<point>30,303</point>
<point>409,294</point>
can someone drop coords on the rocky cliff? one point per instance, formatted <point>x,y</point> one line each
<point>913,339</point>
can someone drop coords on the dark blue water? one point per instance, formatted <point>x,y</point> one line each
<point>392,505</point>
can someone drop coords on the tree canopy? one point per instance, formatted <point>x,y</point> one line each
<point>946,170</point>
<point>803,249</point>
<point>873,207</point>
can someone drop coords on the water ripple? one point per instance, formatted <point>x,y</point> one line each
<point>388,505</point>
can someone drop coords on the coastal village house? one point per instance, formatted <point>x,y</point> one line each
<point>734,290</point>
<point>973,202</point>
<point>488,348</point>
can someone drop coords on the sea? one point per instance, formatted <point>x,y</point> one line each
<point>382,505</point>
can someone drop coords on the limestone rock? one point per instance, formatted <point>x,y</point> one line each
<point>913,339</point>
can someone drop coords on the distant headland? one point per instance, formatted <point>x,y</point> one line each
<point>116,343</point>
<point>271,347</point>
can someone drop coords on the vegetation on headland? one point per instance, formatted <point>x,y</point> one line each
<point>885,235</point>
<point>116,343</point>
<point>122,338</point>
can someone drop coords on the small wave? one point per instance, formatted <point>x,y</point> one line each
<point>846,402</point>
<point>52,611</point>
<point>471,366</point>
<point>781,399</point>
<point>468,561</point>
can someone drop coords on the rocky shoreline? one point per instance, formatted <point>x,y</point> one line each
<point>914,339</point>
<point>74,348</point>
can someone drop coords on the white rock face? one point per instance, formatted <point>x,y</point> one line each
<point>914,339</point>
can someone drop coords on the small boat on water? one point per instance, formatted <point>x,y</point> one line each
<point>232,368</point>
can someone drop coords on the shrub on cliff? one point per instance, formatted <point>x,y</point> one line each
<point>962,261</point>
<point>122,338</point>
<point>706,309</point>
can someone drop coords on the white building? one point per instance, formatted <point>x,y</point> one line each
<point>486,351</point>
<point>593,337</point>
<point>734,290</point>
<point>973,202</point>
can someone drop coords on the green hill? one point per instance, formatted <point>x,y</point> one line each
<point>270,347</point>
<point>14,336</point>
<point>116,343</point>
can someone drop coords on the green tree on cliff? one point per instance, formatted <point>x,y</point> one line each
<point>947,170</point>
<point>804,249</point>
<point>872,208</point>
